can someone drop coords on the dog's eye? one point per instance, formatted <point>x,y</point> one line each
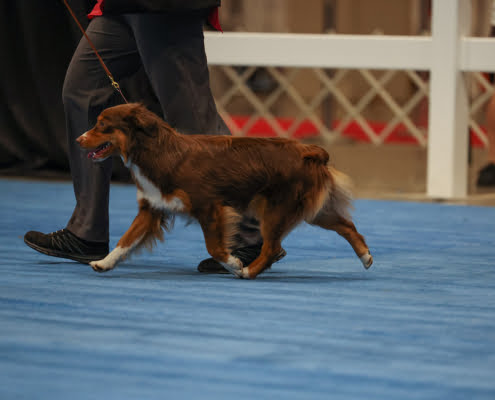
<point>101,125</point>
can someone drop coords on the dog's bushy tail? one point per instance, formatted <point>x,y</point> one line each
<point>336,202</point>
<point>340,196</point>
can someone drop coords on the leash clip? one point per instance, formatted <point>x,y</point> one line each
<point>115,84</point>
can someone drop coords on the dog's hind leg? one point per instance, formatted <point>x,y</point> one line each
<point>345,228</point>
<point>146,227</point>
<point>275,223</point>
<point>334,215</point>
<point>269,251</point>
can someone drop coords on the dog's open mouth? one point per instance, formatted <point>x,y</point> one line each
<point>101,152</point>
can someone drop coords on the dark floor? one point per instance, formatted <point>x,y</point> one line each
<point>420,324</point>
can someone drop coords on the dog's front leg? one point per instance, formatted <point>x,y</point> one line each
<point>146,226</point>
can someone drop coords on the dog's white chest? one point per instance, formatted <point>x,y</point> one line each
<point>153,195</point>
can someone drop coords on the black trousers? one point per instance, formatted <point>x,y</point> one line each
<point>170,49</point>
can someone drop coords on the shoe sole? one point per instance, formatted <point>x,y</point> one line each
<point>55,253</point>
<point>216,271</point>
<point>223,270</point>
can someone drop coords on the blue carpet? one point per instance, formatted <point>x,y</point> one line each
<point>420,324</point>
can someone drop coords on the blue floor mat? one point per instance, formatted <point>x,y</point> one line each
<point>420,324</point>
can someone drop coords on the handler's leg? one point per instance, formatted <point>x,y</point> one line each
<point>87,91</point>
<point>172,51</point>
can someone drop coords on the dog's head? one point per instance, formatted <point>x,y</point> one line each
<point>114,130</point>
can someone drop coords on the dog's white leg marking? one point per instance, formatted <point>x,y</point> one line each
<point>367,260</point>
<point>234,266</point>
<point>113,258</point>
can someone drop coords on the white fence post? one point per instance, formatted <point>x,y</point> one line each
<point>447,169</point>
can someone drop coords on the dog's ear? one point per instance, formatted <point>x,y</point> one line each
<point>140,119</point>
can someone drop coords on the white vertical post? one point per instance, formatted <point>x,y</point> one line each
<point>447,169</point>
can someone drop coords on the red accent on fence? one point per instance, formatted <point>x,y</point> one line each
<point>307,129</point>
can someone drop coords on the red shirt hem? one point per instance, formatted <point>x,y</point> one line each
<point>213,19</point>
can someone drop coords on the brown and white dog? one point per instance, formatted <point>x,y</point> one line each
<point>217,180</point>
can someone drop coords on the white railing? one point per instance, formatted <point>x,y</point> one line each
<point>446,54</point>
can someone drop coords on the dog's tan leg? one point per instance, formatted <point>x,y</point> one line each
<point>275,223</point>
<point>346,229</point>
<point>145,228</point>
<point>269,252</point>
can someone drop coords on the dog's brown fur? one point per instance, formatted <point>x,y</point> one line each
<point>217,180</point>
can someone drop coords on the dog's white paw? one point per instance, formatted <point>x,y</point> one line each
<point>101,266</point>
<point>367,260</point>
<point>111,260</point>
<point>245,273</point>
<point>234,266</point>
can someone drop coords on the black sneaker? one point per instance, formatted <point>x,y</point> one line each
<point>486,176</point>
<point>65,244</point>
<point>246,254</point>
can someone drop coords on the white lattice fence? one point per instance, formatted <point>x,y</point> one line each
<point>401,113</point>
<point>482,92</point>
<point>348,109</point>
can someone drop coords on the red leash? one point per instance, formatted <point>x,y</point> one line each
<point>115,85</point>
